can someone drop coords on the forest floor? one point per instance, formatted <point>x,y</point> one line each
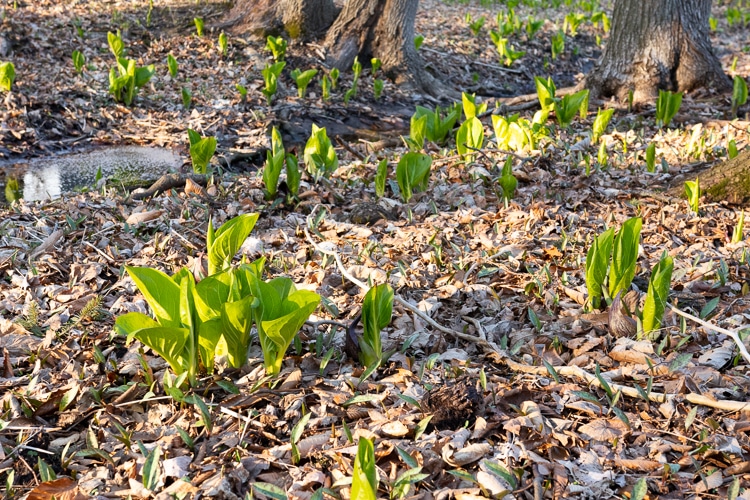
<point>504,385</point>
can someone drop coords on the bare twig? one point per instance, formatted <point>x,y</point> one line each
<point>705,324</point>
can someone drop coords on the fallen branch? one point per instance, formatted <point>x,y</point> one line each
<point>167,182</point>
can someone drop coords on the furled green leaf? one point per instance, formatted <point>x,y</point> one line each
<point>545,91</point>
<point>377,309</point>
<point>624,256</point>
<point>412,173</point>
<point>172,65</point>
<point>227,240</point>
<point>380,177</point>
<point>603,116</point>
<point>116,44</point>
<point>364,476</point>
<point>417,132</point>
<point>201,153</point>
<point>597,263</point>
<point>658,292</point>
<point>237,321</point>
<point>320,156</point>
<point>293,174</point>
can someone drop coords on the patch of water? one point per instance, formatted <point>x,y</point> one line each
<point>46,178</point>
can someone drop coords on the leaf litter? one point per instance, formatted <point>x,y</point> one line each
<point>501,382</point>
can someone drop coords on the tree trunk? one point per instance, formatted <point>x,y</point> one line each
<point>364,28</point>
<point>657,44</point>
<point>726,181</point>
<point>382,29</point>
<point>298,18</point>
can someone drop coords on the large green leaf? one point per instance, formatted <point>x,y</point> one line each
<point>364,475</point>
<point>131,322</point>
<point>144,74</point>
<point>377,309</point>
<point>161,292</point>
<point>237,321</point>
<point>211,293</point>
<point>597,263</point>
<point>658,292</point>
<point>624,256</point>
<point>470,135</point>
<point>281,331</point>
<point>169,343</point>
<point>227,240</point>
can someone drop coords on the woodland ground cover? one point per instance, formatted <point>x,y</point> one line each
<point>502,382</point>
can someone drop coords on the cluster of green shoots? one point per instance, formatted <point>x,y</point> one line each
<point>303,78</point>
<point>612,259</point>
<point>197,320</point>
<point>127,78</point>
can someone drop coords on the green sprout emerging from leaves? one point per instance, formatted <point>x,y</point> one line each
<point>198,26</point>
<point>413,174</point>
<point>7,76</point>
<point>79,61</point>
<point>172,65</point>
<point>508,181</point>
<point>271,78</point>
<point>667,105</point>
<point>202,149</point>
<point>320,156</point>
<point>739,94</point>
<point>303,79</point>
<point>693,193</point>
<point>277,46</point>
<point>223,44</point>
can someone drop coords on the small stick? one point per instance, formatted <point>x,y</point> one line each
<point>705,324</point>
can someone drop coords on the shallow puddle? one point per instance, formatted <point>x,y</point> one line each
<point>50,177</point>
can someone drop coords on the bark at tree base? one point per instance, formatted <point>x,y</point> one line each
<point>657,44</point>
<point>726,181</point>
<point>298,18</point>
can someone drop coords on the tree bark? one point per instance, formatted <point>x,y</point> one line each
<point>657,44</point>
<point>364,28</point>
<point>726,181</point>
<point>382,29</point>
<point>297,18</point>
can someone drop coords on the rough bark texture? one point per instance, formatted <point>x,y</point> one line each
<point>297,18</point>
<point>726,181</point>
<point>657,44</point>
<point>382,29</point>
<point>364,28</point>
